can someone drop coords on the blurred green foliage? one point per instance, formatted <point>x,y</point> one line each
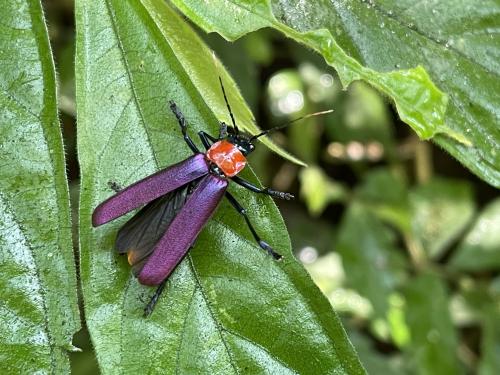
<point>400,237</point>
<point>408,227</point>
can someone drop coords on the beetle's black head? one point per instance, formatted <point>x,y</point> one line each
<point>243,141</point>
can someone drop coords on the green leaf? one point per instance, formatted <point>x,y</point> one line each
<point>480,249</point>
<point>483,299</point>
<point>374,362</point>
<point>238,62</point>
<point>490,345</point>
<point>433,214</point>
<point>432,349</point>
<point>228,307</point>
<point>361,115</point>
<point>385,193</point>
<point>451,40</point>
<point>328,274</point>
<point>318,190</point>
<point>370,259</point>
<point>38,301</point>
<point>399,330</point>
<point>303,139</point>
<point>441,209</point>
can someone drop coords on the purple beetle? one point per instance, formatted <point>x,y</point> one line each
<point>179,200</point>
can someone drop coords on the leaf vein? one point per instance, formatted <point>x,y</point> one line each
<point>216,322</point>
<point>184,324</point>
<point>19,104</point>
<point>260,347</point>
<point>122,319</point>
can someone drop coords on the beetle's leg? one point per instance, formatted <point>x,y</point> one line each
<point>152,303</point>
<point>273,193</point>
<point>113,185</point>
<point>183,125</point>
<point>206,139</point>
<point>264,245</point>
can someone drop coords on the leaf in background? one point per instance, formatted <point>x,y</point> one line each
<point>307,233</point>
<point>433,345</point>
<point>38,301</point>
<point>484,299</point>
<point>374,362</point>
<point>362,116</point>
<point>228,308</point>
<point>399,330</point>
<point>369,257</point>
<point>454,40</point>
<point>441,209</point>
<point>385,193</point>
<point>318,190</point>
<point>286,95</point>
<point>328,274</point>
<point>490,345</point>
<point>480,249</point>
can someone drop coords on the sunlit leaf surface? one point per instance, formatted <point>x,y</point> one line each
<point>229,307</point>
<point>38,305</point>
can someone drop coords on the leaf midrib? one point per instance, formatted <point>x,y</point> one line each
<point>131,80</point>
<point>212,315</point>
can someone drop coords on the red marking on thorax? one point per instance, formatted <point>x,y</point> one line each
<point>227,157</point>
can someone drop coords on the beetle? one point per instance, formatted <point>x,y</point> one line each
<point>180,199</point>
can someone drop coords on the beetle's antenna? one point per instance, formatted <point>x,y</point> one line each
<point>216,63</point>
<point>289,123</point>
<point>228,106</point>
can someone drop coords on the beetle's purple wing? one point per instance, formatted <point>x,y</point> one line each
<point>150,188</point>
<point>183,230</point>
<point>139,235</point>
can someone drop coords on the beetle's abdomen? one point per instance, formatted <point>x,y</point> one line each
<point>227,157</point>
